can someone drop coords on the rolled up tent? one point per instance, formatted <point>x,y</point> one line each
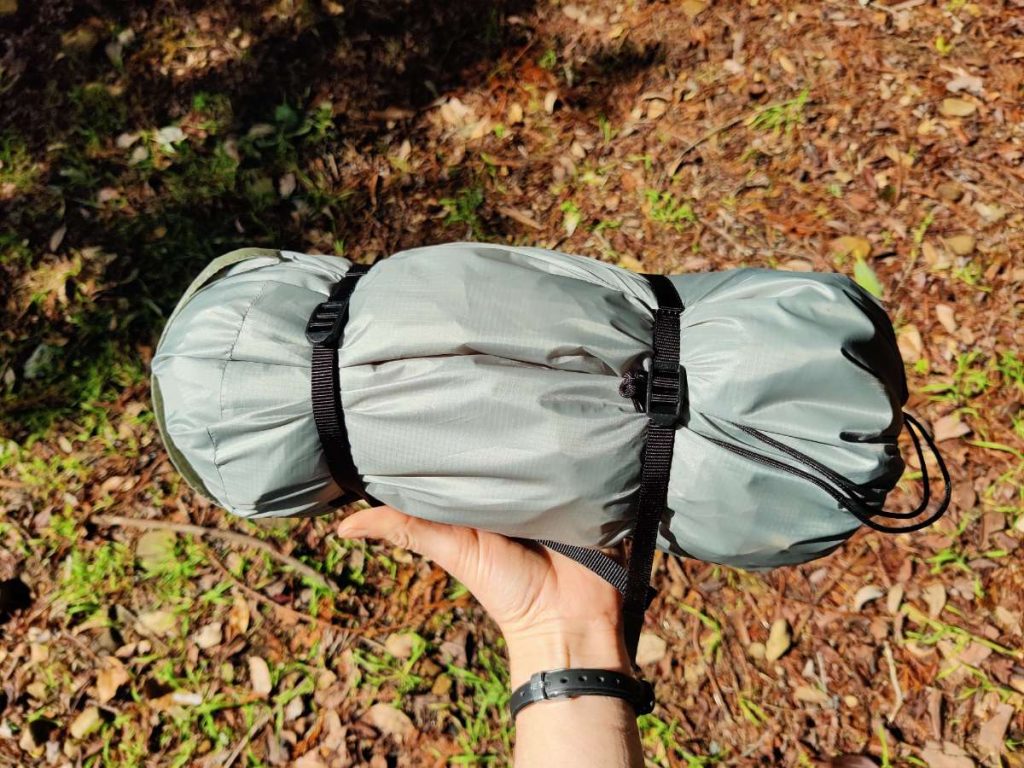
<point>480,386</point>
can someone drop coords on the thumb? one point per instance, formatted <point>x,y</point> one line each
<point>453,547</point>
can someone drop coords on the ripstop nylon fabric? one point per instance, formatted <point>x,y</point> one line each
<point>480,387</point>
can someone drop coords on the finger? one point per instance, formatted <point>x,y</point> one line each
<point>454,548</point>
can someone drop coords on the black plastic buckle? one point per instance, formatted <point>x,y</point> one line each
<point>326,323</point>
<point>666,393</point>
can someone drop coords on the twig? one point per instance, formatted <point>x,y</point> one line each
<point>749,116</point>
<point>216,533</point>
<point>288,610</point>
<point>898,703</point>
<point>709,135</point>
<point>258,726</point>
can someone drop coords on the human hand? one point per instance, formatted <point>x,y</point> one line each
<point>552,611</point>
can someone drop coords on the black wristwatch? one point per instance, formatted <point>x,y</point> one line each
<point>570,683</point>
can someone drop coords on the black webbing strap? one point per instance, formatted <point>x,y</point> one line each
<point>664,403</point>
<point>325,331</point>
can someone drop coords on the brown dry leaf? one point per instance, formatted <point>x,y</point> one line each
<point>935,598</point>
<point>155,549</point>
<point>87,722</point>
<point>259,677</point>
<point>990,212</point>
<point>946,317</point>
<point>954,107</point>
<point>109,678</point>
<point>894,599</point>
<point>992,733</point>
<point>866,594</point>
<point>949,428</point>
<point>693,8</point>
<point>160,623</point>
<point>390,721</point>
<point>857,247</point>
<point>964,81</point>
<point>810,695</point>
<point>961,245</point>
<point>779,640</point>
<point>910,343</point>
<point>239,615</point>
<point>650,649</point>
<point>946,755</point>
<point>656,108</point>
<point>400,644</point>
<point>631,263</point>
<point>209,636</point>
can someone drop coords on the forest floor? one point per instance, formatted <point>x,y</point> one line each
<point>884,140</point>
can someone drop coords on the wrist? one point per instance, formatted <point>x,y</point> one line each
<point>596,645</point>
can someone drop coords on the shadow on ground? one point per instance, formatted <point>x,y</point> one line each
<point>95,247</point>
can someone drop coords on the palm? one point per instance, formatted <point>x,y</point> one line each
<point>521,584</point>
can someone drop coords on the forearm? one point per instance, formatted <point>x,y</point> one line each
<point>596,731</point>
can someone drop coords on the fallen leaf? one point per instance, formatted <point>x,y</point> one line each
<point>286,185</point>
<point>650,649</point>
<point>810,695</point>
<point>1007,619</point>
<point>656,108</point>
<point>259,677</point>
<point>457,114</point>
<point>209,636</point>
<point>935,598</point>
<point>991,734</point>
<point>954,107</point>
<point>894,599</point>
<point>239,615</point>
<point>945,755</point>
<point>519,215</point>
<point>756,651</point>
<point>961,245</point>
<point>155,550</point>
<point>157,622</point>
<point>109,678</point>
<point>390,721</point>
<point>779,640</point>
<point>86,722</point>
<point>946,317</point>
<point>865,595</point>
<point>631,263</point>
<point>910,343</point>
<point>991,213</point>
<point>693,8</point>
<point>949,428</point>
<point>400,644</point>
<point>857,247</point>
<point>964,81</point>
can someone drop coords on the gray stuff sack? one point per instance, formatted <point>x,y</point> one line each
<point>480,387</point>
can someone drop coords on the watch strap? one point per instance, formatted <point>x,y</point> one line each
<point>570,683</point>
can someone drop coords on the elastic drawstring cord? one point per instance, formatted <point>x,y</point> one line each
<point>842,489</point>
<point>853,500</point>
